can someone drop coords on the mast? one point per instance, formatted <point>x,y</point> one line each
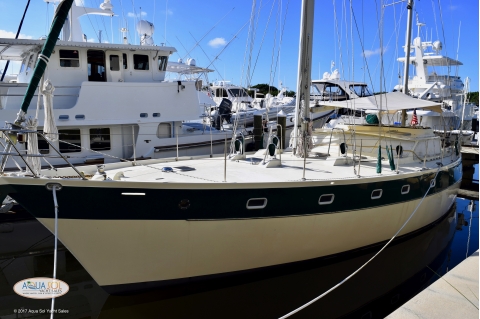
<point>407,56</point>
<point>304,73</point>
<point>57,24</point>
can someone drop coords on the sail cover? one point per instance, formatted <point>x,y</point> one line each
<point>387,102</point>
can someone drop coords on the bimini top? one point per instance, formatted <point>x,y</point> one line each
<point>13,49</point>
<point>390,103</point>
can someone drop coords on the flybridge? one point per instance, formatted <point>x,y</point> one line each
<point>13,49</point>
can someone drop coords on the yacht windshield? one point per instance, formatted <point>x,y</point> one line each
<point>238,92</point>
<point>328,91</point>
<point>360,90</point>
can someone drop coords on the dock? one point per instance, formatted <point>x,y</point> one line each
<point>469,187</point>
<point>455,295</point>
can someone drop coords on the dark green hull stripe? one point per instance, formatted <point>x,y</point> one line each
<point>203,204</point>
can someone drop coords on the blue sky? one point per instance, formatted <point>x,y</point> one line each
<point>352,41</point>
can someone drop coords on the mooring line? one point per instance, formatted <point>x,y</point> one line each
<point>361,267</point>
<point>54,189</point>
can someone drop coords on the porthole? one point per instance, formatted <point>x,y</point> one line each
<point>377,193</point>
<point>405,189</point>
<point>184,204</point>
<point>256,203</point>
<point>326,199</point>
<point>143,114</point>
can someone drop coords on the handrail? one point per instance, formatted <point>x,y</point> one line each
<point>10,143</point>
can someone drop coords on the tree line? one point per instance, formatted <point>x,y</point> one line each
<point>265,88</point>
<point>473,97</point>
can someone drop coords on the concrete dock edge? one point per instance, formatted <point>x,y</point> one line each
<point>455,295</point>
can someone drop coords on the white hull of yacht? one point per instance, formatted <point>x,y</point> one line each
<point>126,252</point>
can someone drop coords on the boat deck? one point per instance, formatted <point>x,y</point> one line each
<point>290,168</point>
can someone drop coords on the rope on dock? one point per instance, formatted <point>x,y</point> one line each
<point>361,267</point>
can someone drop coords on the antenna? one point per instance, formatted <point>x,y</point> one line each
<point>458,47</point>
<point>166,15</point>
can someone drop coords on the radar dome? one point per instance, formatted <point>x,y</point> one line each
<point>145,28</point>
<point>437,46</point>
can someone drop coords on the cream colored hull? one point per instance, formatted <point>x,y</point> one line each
<point>134,251</point>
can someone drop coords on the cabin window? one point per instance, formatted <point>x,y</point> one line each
<point>162,63</point>
<point>326,199</point>
<point>22,67</point>
<point>100,139</point>
<point>238,92</point>
<point>31,63</point>
<point>377,193</point>
<point>164,130</point>
<point>360,90</point>
<point>43,146</point>
<point>125,65</point>
<point>221,93</point>
<point>69,141</point>
<point>114,63</point>
<point>140,62</point>
<point>405,189</point>
<point>96,66</point>
<point>256,203</point>
<point>69,59</point>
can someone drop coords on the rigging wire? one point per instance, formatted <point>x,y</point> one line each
<point>281,39</point>
<point>263,40</point>
<point>203,37</point>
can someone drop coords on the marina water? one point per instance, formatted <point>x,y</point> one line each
<point>405,268</point>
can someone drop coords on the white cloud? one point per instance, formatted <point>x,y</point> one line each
<point>369,53</point>
<point>217,42</point>
<point>91,40</point>
<point>9,34</point>
<point>169,12</point>
<point>453,8</point>
<point>132,15</point>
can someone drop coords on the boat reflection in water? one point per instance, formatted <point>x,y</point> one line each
<point>397,274</point>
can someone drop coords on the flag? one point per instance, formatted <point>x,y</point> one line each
<point>414,118</point>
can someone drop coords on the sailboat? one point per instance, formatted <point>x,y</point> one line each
<point>162,222</point>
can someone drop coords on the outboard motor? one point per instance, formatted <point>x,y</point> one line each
<point>225,110</point>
